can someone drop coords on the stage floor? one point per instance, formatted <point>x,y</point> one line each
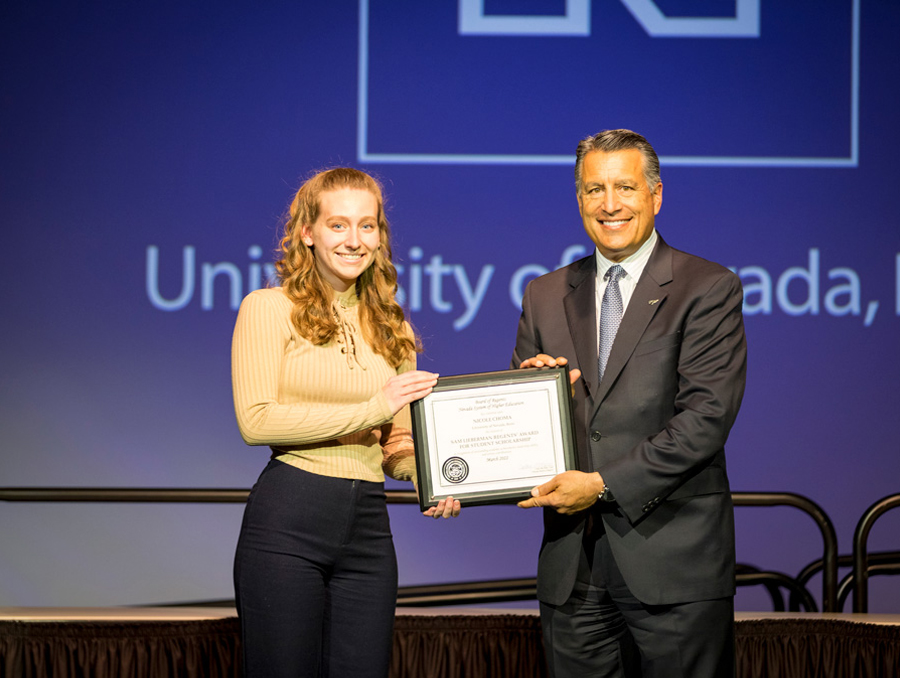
<point>126,614</point>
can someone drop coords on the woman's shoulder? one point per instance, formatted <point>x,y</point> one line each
<point>268,304</point>
<point>267,296</point>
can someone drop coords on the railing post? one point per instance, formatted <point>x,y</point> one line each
<point>860,557</point>
<point>826,527</point>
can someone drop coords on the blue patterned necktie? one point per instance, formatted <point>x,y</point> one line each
<point>611,311</point>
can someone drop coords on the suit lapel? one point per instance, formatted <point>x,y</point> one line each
<point>581,315</point>
<point>647,298</point>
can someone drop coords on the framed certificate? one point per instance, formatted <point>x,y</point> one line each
<point>489,438</point>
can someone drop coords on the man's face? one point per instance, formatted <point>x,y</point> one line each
<point>616,205</point>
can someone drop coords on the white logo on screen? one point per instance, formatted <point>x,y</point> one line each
<point>577,21</point>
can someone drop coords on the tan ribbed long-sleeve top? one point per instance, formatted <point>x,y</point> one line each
<point>320,408</point>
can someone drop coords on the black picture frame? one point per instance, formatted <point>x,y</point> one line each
<point>473,432</point>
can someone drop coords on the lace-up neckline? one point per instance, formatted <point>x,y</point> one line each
<point>343,305</point>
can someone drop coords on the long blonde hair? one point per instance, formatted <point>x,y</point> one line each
<point>383,324</point>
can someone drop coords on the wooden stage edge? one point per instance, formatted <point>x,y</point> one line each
<point>163,614</point>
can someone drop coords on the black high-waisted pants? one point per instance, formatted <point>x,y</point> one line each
<point>315,577</point>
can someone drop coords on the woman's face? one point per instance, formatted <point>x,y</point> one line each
<point>345,237</point>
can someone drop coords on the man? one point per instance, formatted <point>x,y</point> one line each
<point>636,570</point>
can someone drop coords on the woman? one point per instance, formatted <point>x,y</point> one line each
<point>323,370</point>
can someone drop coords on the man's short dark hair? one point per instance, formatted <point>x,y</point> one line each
<point>611,140</point>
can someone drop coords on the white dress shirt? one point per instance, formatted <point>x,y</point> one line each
<point>633,265</point>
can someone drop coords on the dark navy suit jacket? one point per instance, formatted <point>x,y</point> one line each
<point>655,427</point>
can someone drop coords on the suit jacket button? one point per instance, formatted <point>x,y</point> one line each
<point>595,436</point>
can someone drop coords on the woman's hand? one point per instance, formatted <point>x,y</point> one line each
<point>446,508</point>
<point>402,389</point>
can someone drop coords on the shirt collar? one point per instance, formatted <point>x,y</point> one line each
<point>633,264</point>
<point>348,298</point>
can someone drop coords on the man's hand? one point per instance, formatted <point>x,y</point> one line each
<point>567,493</point>
<point>544,360</point>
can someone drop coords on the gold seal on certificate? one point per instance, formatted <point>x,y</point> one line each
<point>489,438</point>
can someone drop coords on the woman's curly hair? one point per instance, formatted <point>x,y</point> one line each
<point>383,324</point>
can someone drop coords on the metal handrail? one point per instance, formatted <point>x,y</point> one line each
<point>877,558</point>
<point>148,495</point>
<point>152,495</point>
<point>860,539</point>
<point>772,580</point>
<point>846,585</point>
<point>826,527</point>
<point>432,596</point>
<point>740,579</point>
<point>463,593</point>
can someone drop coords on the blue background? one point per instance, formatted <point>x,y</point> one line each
<point>186,127</point>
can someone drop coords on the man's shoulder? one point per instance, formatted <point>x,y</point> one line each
<point>565,276</point>
<point>695,266</point>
